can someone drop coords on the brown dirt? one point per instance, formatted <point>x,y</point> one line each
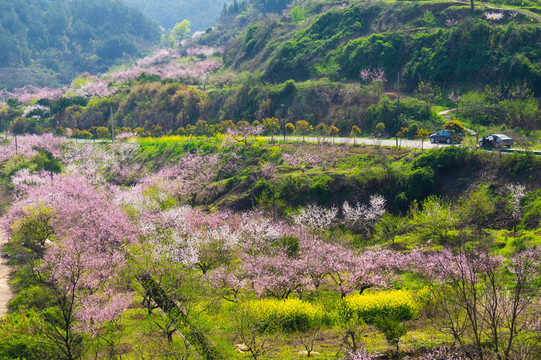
<point>5,290</point>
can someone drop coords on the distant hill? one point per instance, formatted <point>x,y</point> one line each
<point>200,13</point>
<point>47,43</point>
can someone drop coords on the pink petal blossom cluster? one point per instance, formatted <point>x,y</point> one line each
<point>306,158</point>
<point>23,179</point>
<point>187,72</point>
<point>268,171</point>
<point>87,252</point>
<point>316,218</point>
<point>98,163</point>
<point>455,96</point>
<point>126,135</point>
<point>197,34</point>
<point>202,51</point>
<point>99,88</point>
<point>187,236</point>
<point>516,194</point>
<point>244,132</point>
<point>190,176</point>
<point>443,354</point>
<point>29,92</point>
<point>276,270</point>
<point>451,22</point>
<point>361,354</point>
<point>363,217</point>
<point>28,145</point>
<point>29,109</point>
<point>98,309</point>
<point>160,56</point>
<point>373,75</point>
<point>445,266</point>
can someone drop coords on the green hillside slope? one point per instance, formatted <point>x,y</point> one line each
<point>443,42</point>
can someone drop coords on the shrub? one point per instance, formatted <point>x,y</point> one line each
<point>286,315</point>
<point>391,328</point>
<point>19,338</point>
<point>446,160</point>
<point>532,217</point>
<point>368,307</point>
<point>421,183</point>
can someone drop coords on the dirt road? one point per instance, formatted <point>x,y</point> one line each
<point>5,290</point>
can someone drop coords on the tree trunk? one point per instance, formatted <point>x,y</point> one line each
<point>180,319</point>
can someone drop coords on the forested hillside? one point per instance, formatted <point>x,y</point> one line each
<point>201,13</point>
<point>50,42</point>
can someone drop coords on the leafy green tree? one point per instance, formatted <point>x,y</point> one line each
<point>102,132</point>
<point>157,130</point>
<point>429,19</point>
<point>429,92</point>
<point>380,129</point>
<point>297,13</point>
<point>333,131</point>
<point>290,128</point>
<point>201,128</point>
<point>85,134</point>
<point>20,338</point>
<point>391,329</point>
<point>435,220</point>
<point>46,161</point>
<point>522,113</point>
<point>303,128</point>
<point>403,133</point>
<point>181,30</point>
<point>355,132</point>
<point>321,129</point>
<point>33,229</point>
<point>422,134</point>
<point>225,125</point>
<point>477,208</point>
<point>473,106</point>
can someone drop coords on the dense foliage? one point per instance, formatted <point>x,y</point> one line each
<point>50,42</point>
<point>441,42</point>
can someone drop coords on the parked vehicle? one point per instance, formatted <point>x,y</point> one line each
<point>496,141</point>
<point>446,136</point>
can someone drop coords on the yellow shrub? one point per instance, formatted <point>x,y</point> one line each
<point>399,303</point>
<point>285,315</point>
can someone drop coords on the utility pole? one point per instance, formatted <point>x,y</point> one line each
<point>398,89</point>
<point>397,101</point>
<point>112,126</point>
<point>284,120</point>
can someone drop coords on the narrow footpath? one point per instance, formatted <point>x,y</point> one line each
<point>445,115</point>
<point>5,290</point>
